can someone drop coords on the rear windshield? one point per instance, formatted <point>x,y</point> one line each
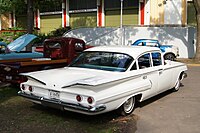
<point>53,44</point>
<point>108,61</point>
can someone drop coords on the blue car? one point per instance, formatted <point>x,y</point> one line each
<point>15,50</point>
<point>170,52</point>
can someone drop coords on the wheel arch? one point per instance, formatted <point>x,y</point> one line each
<point>169,53</point>
<point>138,98</point>
<point>180,76</point>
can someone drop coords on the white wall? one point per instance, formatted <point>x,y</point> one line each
<point>182,37</point>
<point>89,34</point>
<point>172,12</point>
<point>147,13</point>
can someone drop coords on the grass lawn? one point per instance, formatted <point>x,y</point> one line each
<point>19,115</point>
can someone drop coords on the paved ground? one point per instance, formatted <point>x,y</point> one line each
<point>177,112</point>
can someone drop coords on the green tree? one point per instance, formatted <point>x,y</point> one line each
<point>18,7</point>
<point>197,8</point>
<point>5,6</point>
<point>12,5</point>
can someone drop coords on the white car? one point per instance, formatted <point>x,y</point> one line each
<point>103,79</point>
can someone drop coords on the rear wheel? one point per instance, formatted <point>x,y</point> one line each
<point>127,107</point>
<point>169,57</point>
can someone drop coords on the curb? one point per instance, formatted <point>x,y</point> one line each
<point>193,64</point>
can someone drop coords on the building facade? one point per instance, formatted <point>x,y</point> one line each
<point>102,13</point>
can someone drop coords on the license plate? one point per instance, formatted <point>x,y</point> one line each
<point>8,77</point>
<point>54,94</point>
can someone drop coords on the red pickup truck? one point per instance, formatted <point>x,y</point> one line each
<point>58,52</point>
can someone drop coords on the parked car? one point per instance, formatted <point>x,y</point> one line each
<point>105,78</point>
<point>14,50</point>
<point>58,52</point>
<point>170,52</point>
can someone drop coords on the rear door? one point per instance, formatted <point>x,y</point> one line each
<point>164,73</point>
<point>151,67</point>
<point>148,71</point>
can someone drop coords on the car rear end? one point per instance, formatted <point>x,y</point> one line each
<point>9,73</point>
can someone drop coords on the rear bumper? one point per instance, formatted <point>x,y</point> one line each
<point>64,105</point>
<point>13,79</point>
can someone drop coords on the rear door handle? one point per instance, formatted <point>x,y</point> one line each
<point>160,71</point>
<point>144,77</point>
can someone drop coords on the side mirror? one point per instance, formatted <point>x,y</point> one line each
<point>79,47</point>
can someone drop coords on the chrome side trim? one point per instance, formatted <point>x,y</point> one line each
<point>62,105</point>
<point>124,79</point>
<point>174,67</point>
<point>36,79</point>
<point>76,84</point>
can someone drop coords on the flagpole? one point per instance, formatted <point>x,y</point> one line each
<point>121,13</point>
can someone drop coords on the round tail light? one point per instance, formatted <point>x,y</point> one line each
<point>30,88</point>
<point>90,100</point>
<point>78,98</point>
<point>23,87</point>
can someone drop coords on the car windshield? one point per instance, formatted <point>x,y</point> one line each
<point>53,44</point>
<point>107,61</point>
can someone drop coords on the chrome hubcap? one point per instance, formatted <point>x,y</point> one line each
<point>129,104</point>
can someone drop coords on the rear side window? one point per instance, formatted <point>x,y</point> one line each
<point>144,61</point>
<point>152,44</point>
<point>142,44</point>
<point>156,57</point>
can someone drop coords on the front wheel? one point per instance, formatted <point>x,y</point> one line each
<point>177,85</point>
<point>169,57</point>
<point>127,107</point>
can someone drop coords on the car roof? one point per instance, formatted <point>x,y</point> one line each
<point>133,51</point>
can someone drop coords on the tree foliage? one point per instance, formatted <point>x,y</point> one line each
<point>20,6</point>
<point>12,5</point>
<point>5,6</point>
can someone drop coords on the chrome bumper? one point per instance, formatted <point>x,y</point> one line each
<point>63,105</point>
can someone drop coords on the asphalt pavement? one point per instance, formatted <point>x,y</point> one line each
<point>173,112</point>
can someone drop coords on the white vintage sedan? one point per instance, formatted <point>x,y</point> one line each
<point>105,78</point>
